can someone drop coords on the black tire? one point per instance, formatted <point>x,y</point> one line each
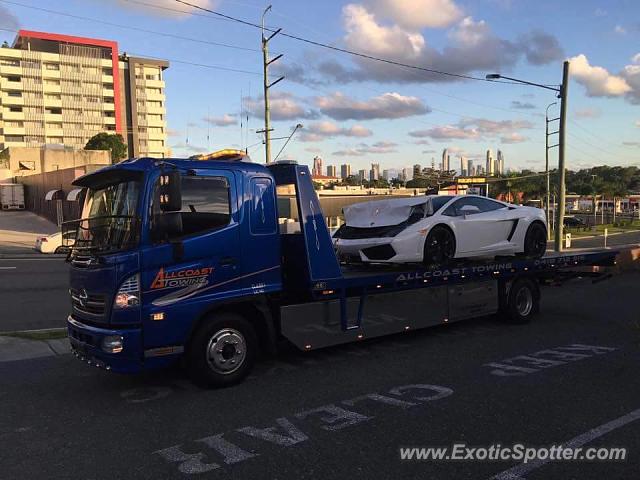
<point>439,246</point>
<point>222,351</point>
<point>522,303</point>
<point>535,241</point>
<point>61,249</point>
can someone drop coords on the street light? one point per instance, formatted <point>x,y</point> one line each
<point>285,143</point>
<point>561,90</point>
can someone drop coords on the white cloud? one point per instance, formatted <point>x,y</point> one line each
<point>365,34</point>
<point>472,46</point>
<point>474,129</point>
<point>513,138</point>
<point>415,14</point>
<point>619,29</point>
<point>283,106</point>
<point>224,121</point>
<point>631,74</point>
<point>166,8</point>
<point>388,105</point>
<point>319,131</point>
<point>638,123</point>
<point>364,149</point>
<point>446,132</point>
<point>597,80</point>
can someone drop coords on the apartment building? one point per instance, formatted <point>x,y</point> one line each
<point>61,89</point>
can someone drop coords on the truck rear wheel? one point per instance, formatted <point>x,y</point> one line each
<point>523,301</point>
<point>222,351</point>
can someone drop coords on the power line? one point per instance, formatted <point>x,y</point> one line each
<point>138,29</point>
<point>338,49</point>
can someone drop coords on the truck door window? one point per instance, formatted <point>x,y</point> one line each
<point>262,207</point>
<point>205,204</point>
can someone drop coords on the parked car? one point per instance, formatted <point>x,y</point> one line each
<point>435,228</point>
<point>53,243</point>
<point>573,222</point>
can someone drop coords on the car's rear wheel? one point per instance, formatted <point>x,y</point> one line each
<point>535,241</point>
<point>439,247</point>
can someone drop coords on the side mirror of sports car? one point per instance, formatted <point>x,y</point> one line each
<point>469,210</point>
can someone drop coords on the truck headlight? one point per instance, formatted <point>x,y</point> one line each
<point>112,344</point>
<point>129,293</point>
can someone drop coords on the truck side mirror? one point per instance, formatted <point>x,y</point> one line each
<point>170,191</point>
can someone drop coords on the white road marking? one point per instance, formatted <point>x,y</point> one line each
<point>535,362</point>
<point>286,433</point>
<point>518,472</point>
<point>8,268</point>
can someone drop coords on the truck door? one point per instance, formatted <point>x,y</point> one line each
<point>198,257</point>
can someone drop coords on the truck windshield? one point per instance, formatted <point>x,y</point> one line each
<point>109,218</point>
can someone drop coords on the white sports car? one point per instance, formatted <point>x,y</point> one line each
<point>435,228</point>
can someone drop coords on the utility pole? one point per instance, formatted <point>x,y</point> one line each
<point>561,158</point>
<point>546,165</point>
<point>265,70</point>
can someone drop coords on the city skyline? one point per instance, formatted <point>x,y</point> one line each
<point>366,112</point>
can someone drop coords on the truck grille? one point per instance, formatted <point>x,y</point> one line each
<point>87,303</point>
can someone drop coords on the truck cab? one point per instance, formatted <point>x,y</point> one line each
<point>161,244</point>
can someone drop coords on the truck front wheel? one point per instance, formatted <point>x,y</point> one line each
<point>222,351</point>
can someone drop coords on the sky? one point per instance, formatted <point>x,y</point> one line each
<point>360,111</point>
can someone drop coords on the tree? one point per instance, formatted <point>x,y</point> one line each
<point>104,141</point>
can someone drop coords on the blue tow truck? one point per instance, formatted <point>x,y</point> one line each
<point>211,262</point>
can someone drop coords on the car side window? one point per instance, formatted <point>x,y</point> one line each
<point>487,205</point>
<point>483,204</point>
<point>454,210</point>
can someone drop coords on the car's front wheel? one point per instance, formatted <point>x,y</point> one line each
<point>535,241</point>
<point>439,246</point>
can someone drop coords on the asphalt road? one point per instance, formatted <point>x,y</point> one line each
<point>33,293</point>
<point>570,376</point>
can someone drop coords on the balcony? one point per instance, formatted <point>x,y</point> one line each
<point>13,130</point>
<point>50,73</point>
<point>53,117</point>
<point>9,100</point>
<point>154,83</point>
<point>8,115</point>
<point>9,70</point>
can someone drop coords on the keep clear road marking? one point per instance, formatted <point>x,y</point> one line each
<point>518,472</point>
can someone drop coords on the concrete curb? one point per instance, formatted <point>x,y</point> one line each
<point>31,256</point>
